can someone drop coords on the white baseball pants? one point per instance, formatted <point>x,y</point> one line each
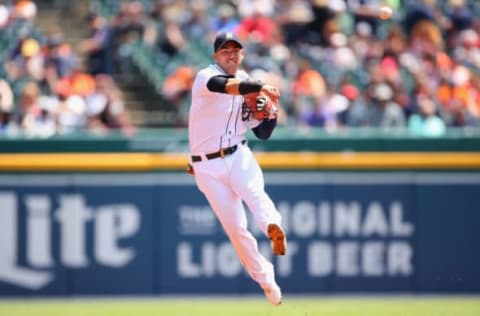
<point>227,181</point>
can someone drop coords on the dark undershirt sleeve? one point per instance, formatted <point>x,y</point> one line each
<point>265,129</point>
<point>218,83</point>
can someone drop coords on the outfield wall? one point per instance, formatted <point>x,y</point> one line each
<point>153,233</point>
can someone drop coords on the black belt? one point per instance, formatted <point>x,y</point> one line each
<point>221,153</point>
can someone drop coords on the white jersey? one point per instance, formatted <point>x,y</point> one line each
<point>215,119</point>
<point>219,120</point>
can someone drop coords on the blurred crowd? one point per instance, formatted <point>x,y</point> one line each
<point>337,64</point>
<point>45,89</point>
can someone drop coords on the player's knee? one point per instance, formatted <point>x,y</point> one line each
<point>235,229</point>
<point>255,197</point>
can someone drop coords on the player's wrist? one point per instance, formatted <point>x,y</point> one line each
<point>248,86</point>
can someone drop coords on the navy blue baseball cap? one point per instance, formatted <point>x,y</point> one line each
<point>223,38</point>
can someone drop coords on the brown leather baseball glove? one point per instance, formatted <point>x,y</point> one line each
<point>261,106</point>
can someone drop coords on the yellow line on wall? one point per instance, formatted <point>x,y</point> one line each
<point>370,160</point>
<point>87,162</point>
<point>272,160</point>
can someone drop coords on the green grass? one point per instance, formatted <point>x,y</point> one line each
<point>248,306</point>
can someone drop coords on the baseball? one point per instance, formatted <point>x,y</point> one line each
<point>385,13</point>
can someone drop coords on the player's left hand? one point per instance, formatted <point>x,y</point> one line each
<point>261,106</point>
<point>272,92</point>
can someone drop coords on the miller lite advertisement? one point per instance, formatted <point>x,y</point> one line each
<point>69,234</point>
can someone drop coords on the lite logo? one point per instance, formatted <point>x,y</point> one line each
<point>111,223</point>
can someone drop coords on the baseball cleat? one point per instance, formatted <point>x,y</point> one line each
<point>274,295</point>
<point>278,241</point>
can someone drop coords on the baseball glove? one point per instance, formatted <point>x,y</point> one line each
<point>260,106</point>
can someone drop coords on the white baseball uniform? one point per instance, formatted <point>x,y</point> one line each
<point>216,122</point>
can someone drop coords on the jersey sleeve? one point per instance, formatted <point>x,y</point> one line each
<point>200,84</point>
<point>265,128</point>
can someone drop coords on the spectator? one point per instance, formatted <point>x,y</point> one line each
<point>307,87</point>
<point>4,122</point>
<point>257,26</point>
<point>127,27</point>
<point>467,50</point>
<point>98,47</point>
<point>59,53</point>
<point>225,20</point>
<point>81,83</point>
<point>34,119</point>
<point>324,21</point>
<point>325,111</point>
<point>71,114</point>
<point>366,11</point>
<point>4,16</point>
<point>308,81</point>
<point>426,122</point>
<point>26,9</point>
<point>458,95</point>
<point>423,10</point>
<point>196,25</point>
<point>293,17</point>
<point>178,82</point>
<point>362,41</point>
<point>251,7</point>
<point>6,107</point>
<point>6,96</point>
<point>25,60</point>
<point>338,54</point>
<point>105,108</point>
<point>460,16</point>
<point>382,110</point>
<point>171,39</point>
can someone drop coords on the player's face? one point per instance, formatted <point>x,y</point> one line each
<point>229,57</point>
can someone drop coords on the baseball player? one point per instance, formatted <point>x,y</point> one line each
<point>224,167</point>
